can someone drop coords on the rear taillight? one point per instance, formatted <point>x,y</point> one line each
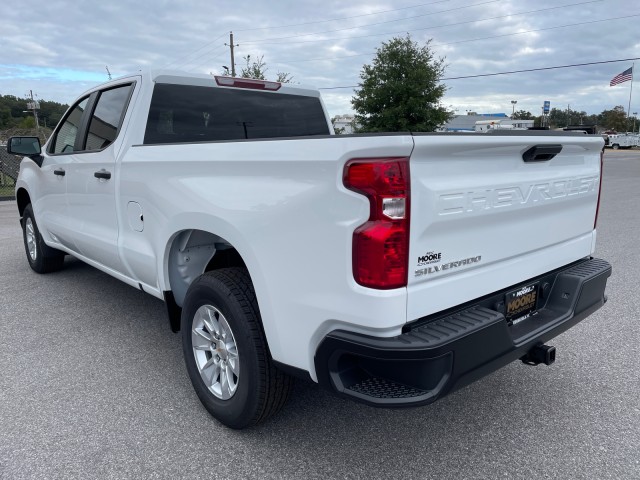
<point>381,245</point>
<point>595,221</point>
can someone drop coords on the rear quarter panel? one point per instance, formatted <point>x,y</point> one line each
<point>282,205</point>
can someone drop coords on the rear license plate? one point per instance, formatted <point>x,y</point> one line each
<point>521,302</point>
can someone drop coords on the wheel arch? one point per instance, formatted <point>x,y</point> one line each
<point>191,252</point>
<point>23,199</point>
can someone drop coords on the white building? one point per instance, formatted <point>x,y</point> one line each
<point>486,125</point>
<point>467,123</point>
<point>343,123</point>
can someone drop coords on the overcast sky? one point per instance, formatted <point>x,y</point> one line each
<point>60,48</point>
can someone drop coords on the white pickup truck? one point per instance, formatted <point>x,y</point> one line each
<point>392,269</point>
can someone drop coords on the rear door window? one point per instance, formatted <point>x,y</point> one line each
<point>186,113</point>
<point>107,117</point>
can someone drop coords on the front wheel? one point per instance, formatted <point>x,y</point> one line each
<point>615,146</point>
<point>225,350</point>
<point>41,257</point>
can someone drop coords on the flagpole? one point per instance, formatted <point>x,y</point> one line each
<point>630,90</point>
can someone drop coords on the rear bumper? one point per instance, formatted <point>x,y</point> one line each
<point>441,353</point>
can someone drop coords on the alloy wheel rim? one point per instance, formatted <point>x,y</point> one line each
<point>215,351</point>
<point>31,239</point>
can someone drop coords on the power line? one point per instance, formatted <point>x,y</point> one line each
<point>514,71</point>
<point>183,61</point>
<point>542,68</point>
<point>472,39</point>
<point>373,24</point>
<point>195,65</point>
<point>180,60</point>
<point>537,30</point>
<point>422,28</point>
<point>208,53</point>
<point>340,18</point>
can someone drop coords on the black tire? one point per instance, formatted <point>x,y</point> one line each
<point>615,146</point>
<point>43,259</point>
<point>261,389</point>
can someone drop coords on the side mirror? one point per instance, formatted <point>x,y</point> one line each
<point>26,146</point>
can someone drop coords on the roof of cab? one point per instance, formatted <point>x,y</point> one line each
<point>207,80</point>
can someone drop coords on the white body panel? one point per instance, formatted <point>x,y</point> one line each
<point>282,205</point>
<point>624,140</point>
<point>521,219</point>
<point>286,212</point>
<point>91,204</point>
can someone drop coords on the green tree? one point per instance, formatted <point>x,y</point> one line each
<point>258,69</point>
<point>635,125</point>
<point>561,118</point>
<point>284,77</point>
<point>558,118</point>
<point>13,110</point>
<point>401,89</point>
<point>522,115</point>
<point>28,122</point>
<point>51,112</point>
<point>614,119</point>
<point>5,117</point>
<point>254,69</point>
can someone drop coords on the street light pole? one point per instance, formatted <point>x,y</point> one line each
<point>513,110</point>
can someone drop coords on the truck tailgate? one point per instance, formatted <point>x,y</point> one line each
<point>483,218</point>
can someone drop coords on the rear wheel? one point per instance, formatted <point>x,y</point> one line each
<point>225,350</point>
<point>615,146</point>
<point>41,257</point>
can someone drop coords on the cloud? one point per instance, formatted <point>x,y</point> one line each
<point>61,51</point>
<point>48,73</point>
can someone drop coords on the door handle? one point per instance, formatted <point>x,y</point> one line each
<point>59,171</point>
<point>541,153</point>
<point>102,174</point>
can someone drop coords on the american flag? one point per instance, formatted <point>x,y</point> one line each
<point>622,77</point>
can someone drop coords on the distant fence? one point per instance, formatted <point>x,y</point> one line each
<point>9,168</point>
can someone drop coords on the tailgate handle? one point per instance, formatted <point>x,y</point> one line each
<point>541,153</point>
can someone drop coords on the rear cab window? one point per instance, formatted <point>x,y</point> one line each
<point>188,113</point>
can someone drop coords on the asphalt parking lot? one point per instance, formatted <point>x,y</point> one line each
<point>92,385</point>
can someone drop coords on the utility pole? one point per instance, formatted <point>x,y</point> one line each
<point>633,68</point>
<point>568,108</point>
<point>108,72</point>
<point>35,110</point>
<point>231,45</point>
